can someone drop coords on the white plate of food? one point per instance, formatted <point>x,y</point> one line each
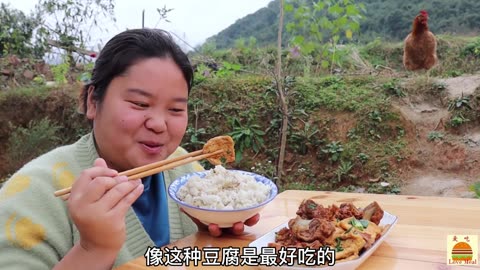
<point>354,234</point>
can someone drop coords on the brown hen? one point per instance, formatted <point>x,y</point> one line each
<point>420,46</point>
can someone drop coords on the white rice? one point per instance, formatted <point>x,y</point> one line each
<point>223,189</point>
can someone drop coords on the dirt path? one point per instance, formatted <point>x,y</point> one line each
<point>465,85</point>
<point>444,167</point>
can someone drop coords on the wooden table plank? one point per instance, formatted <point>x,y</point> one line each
<point>422,210</point>
<point>418,241</point>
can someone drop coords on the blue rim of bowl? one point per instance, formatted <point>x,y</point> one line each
<point>259,178</point>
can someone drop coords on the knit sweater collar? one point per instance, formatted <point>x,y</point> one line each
<point>86,153</point>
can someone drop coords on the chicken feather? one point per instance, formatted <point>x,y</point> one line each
<point>420,45</point>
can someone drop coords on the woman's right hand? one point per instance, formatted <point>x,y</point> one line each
<point>98,203</point>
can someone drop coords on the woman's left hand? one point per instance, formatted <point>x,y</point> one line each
<point>237,228</point>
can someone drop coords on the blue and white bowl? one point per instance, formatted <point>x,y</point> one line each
<point>222,217</point>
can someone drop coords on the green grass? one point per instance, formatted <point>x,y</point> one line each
<point>25,91</point>
<point>382,53</point>
<point>26,143</point>
<point>334,93</point>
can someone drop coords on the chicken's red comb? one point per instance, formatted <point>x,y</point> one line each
<point>423,12</point>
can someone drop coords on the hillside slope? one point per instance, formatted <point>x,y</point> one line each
<point>388,19</point>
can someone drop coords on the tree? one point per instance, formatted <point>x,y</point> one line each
<point>16,31</point>
<point>69,23</point>
<point>308,18</point>
<point>282,94</point>
<point>322,25</point>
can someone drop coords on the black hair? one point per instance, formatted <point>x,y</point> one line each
<point>126,49</point>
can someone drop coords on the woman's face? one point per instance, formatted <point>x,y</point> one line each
<point>143,116</point>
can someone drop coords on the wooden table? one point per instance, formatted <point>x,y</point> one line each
<point>418,241</point>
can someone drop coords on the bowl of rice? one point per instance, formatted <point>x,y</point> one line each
<point>222,196</point>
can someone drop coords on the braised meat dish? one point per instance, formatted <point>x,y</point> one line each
<point>346,229</point>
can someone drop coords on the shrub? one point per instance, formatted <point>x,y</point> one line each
<point>26,143</point>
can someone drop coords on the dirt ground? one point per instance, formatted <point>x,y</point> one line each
<point>449,166</point>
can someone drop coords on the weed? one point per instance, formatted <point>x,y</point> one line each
<point>476,189</point>
<point>336,81</point>
<point>38,91</point>
<point>459,103</point>
<point>352,134</point>
<point>400,132</point>
<point>439,86</point>
<point>349,188</point>
<point>333,150</point>
<point>458,56</point>
<point>228,69</point>
<point>363,157</point>
<point>454,73</point>
<point>194,136</point>
<point>457,120</point>
<point>343,169</point>
<point>26,143</point>
<point>435,136</point>
<point>377,124</point>
<point>305,138</point>
<point>266,169</point>
<point>380,53</point>
<point>472,49</point>
<point>382,188</point>
<point>60,72</point>
<point>39,80</point>
<point>332,93</point>
<point>246,136</point>
<point>396,149</point>
<point>304,173</point>
<point>375,116</point>
<point>202,72</point>
<point>393,88</point>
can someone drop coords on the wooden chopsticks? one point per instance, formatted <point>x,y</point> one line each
<point>152,168</point>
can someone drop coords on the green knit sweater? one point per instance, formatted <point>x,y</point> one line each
<point>35,228</point>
